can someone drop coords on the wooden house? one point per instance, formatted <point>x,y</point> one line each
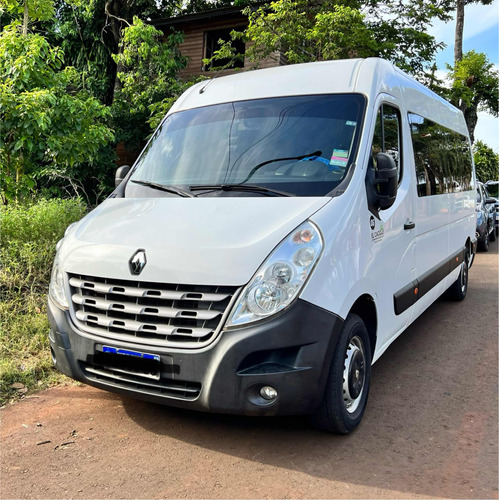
<point>202,32</point>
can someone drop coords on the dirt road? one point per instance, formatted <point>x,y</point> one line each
<point>430,430</point>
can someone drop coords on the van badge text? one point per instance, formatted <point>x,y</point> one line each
<point>376,236</point>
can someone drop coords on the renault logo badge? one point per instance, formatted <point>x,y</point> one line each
<point>137,262</point>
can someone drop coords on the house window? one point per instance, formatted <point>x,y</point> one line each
<point>212,44</point>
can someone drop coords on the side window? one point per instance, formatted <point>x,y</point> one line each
<point>442,158</point>
<point>387,135</point>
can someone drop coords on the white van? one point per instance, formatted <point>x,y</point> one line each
<point>281,228</point>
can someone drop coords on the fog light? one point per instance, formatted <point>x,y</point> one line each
<point>268,392</point>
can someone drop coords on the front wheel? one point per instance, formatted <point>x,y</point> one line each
<point>347,388</point>
<point>492,234</point>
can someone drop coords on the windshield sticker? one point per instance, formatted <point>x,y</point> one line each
<point>339,158</point>
<point>352,124</point>
<point>376,234</point>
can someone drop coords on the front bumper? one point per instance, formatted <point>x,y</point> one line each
<point>290,352</point>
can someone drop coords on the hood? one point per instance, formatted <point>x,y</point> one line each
<point>205,241</point>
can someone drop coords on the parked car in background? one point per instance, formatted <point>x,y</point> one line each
<point>493,189</point>
<point>485,217</point>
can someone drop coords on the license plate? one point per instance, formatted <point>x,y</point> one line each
<point>137,363</point>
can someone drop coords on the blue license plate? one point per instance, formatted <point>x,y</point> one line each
<point>141,364</point>
<point>127,352</point>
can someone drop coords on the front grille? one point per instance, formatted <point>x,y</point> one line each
<point>177,389</point>
<point>154,314</point>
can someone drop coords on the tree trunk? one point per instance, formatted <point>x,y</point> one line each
<point>471,117</point>
<point>26,18</point>
<point>118,13</point>
<point>458,39</point>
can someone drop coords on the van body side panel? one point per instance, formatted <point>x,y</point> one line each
<point>432,238</point>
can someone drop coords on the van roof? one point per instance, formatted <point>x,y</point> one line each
<point>369,77</point>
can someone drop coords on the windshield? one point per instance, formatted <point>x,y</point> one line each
<point>300,145</point>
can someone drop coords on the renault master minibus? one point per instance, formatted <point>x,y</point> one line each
<point>280,229</point>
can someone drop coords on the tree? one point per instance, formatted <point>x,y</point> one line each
<point>311,31</point>
<point>149,65</point>
<point>486,162</point>
<point>458,38</point>
<point>48,126</point>
<point>474,88</point>
<point>34,9</point>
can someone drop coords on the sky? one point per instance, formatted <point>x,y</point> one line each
<point>481,34</point>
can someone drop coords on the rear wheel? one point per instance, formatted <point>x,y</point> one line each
<point>459,288</point>
<point>347,388</point>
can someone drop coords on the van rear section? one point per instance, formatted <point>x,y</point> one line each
<point>265,249</point>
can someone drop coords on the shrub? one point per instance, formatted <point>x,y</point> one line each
<point>29,233</point>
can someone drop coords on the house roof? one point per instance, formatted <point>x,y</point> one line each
<point>208,15</point>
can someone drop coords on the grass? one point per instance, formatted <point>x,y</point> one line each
<point>29,233</point>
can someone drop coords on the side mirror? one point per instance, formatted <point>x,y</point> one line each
<point>121,173</point>
<point>489,201</point>
<point>382,183</point>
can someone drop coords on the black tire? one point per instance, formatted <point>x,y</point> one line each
<point>492,235</point>
<point>457,291</point>
<point>342,410</point>
<point>484,244</point>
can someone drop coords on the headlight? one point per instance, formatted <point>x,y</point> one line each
<point>57,285</point>
<point>281,277</point>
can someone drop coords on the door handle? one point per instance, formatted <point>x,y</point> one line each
<point>409,225</point>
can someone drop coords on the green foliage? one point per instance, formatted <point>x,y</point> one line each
<point>29,233</point>
<point>486,162</point>
<point>48,126</point>
<point>475,82</point>
<point>475,87</point>
<point>313,31</point>
<point>308,32</point>
<point>148,67</point>
<point>80,31</point>
<point>36,9</point>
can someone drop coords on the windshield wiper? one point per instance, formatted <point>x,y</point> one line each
<point>167,189</point>
<point>273,160</point>
<point>239,187</point>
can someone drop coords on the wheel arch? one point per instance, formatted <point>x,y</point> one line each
<point>365,308</point>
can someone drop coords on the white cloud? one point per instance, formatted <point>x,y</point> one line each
<point>442,75</point>
<point>477,19</point>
